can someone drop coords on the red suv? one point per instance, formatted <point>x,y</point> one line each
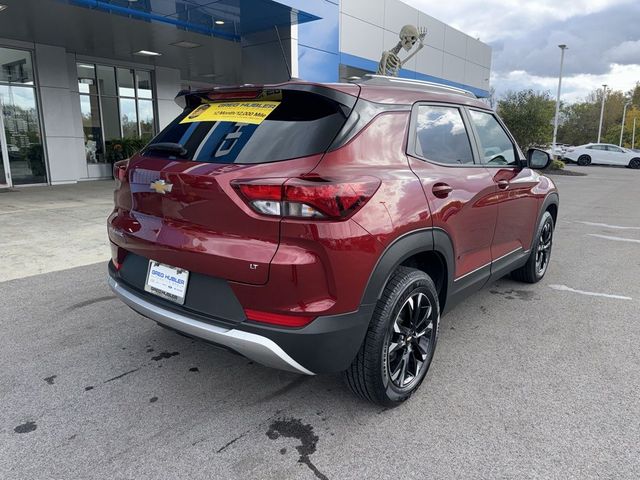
<point>326,227</point>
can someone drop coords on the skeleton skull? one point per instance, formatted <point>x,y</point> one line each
<point>409,35</point>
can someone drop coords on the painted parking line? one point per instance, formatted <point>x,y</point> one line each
<point>615,239</point>
<point>605,225</point>
<point>564,288</point>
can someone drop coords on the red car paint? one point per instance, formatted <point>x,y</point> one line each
<point>319,267</point>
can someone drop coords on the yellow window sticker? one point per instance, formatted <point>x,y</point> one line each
<point>253,112</point>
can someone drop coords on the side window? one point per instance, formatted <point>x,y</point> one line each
<point>496,148</point>
<point>614,149</point>
<point>441,135</point>
<point>599,147</point>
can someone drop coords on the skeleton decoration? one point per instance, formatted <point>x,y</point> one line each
<point>390,63</point>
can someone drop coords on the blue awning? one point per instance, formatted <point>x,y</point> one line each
<point>240,17</point>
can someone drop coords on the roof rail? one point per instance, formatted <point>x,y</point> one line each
<point>371,79</point>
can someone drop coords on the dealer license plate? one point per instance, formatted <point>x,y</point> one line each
<point>167,281</point>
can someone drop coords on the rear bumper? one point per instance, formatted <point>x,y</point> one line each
<point>328,344</point>
<point>255,347</point>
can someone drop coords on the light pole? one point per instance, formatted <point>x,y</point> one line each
<point>604,94</point>
<point>633,134</point>
<point>624,114</point>
<point>555,122</point>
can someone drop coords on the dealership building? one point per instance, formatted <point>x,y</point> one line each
<point>85,82</point>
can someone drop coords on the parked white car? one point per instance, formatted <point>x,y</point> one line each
<point>604,154</point>
<point>559,151</point>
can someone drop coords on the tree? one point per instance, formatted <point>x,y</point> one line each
<point>581,120</point>
<point>529,116</point>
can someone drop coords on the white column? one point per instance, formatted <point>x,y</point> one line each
<point>62,124</point>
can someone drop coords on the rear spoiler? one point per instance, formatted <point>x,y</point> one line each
<point>193,98</point>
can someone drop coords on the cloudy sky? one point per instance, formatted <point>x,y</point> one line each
<point>603,38</point>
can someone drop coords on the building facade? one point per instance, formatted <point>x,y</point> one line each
<point>84,83</point>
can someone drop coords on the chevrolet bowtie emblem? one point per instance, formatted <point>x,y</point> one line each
<point>160,186</point>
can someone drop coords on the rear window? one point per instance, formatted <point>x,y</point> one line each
<point>298,124</point>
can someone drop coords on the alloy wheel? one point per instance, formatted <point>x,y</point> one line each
<point>410,342</point>
<point>543,251</point>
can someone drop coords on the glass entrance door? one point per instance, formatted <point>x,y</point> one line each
<point>21,139</point>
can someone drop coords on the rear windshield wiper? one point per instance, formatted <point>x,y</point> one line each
<point>170,147</point>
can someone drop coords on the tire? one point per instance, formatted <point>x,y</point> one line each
<point>634,163</point>
<point>538,262</point>
<point>377,372</point>
<point>584,160</point>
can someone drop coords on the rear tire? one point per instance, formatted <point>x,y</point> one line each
<point>584,160</point>
<point>398,348</point>
<point>634,163</point>
<point>540,256</point>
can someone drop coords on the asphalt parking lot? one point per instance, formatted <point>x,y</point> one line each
<point>528,381</point>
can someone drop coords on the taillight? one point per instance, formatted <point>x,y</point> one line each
<point>120,172</point>
<point>278,318</point>
<point>311,197</point>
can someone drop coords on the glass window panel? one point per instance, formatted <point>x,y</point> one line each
<point>87,78</point>
<point>441,136</point>
<point>128,118</point>
<point>111,129</point>
<point>495,146</point>
<point>16,66</point>
<point>107,80</point>
<point>22,131</point>
<point>125,83</point>
<point>111,118</point>
<point>144,84</point>
<point>91,126</point>
<point>145,110</point>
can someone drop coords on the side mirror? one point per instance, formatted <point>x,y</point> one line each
<point>538,159</point>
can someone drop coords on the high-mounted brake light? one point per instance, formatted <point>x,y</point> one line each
<point>307,197</point>
<point>233,95</point>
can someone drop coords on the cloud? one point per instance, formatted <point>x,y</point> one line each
<point>626,53</point>
<point>574,88</point>
<point>595,41</point>
<point>603,38</point>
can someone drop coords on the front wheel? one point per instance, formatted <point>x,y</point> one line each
<point>536,266</point>
<point>399,345</point>
<point>634,163</point>
<point>584,160</point>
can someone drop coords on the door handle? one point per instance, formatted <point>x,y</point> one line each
<point>503,184</point>
<point>442,190</point>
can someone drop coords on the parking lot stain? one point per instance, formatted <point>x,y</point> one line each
<point>231,442</point>
<point>294,428</point>
<point>153,399</point>
<point>86,303</point>
<point>90,387</point>
<point>525,295</point>
<point>122,375</point>
<point>283,451</point>
<point>26,427</point>
<point>149,350</point>
<point>50,379</point>
<point>286,389</point>
<point>194,369</point>
<point>164,354</point>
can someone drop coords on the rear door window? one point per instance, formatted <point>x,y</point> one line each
<point>300,124</point>
<point>441,136</point>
